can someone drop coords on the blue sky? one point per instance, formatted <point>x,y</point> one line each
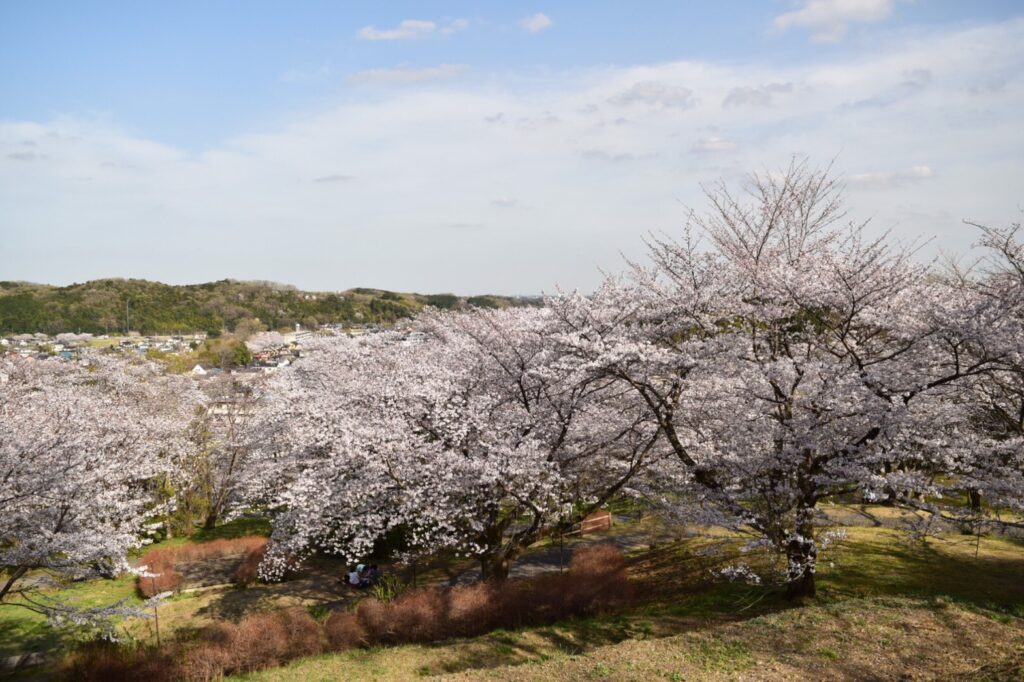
<point>477,147</point>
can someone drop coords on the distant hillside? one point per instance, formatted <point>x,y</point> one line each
<point>155,308</point>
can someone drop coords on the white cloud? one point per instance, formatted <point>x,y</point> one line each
<point>913,81</point>
<point>407,75</point>
<point>426,156</point>
<point>755,96</point>
<point>335,178</point>
<point>613,157</point>
<point>714,144</point>
<point>828,19</point>
<point>890,179</point>
<point>655,93</point>
<point>536,23</point>
<point>413,28</point>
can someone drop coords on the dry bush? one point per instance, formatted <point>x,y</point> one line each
<point>248,571</point>
<point>260,641</point>
<point>204,550</point>
<point>471,610</point>
<point>305,636</point>
<point>375,618</point>
<point>418,616</point>
<point>164,559</point>
<point>107,662</point>
<point>548,599</point>
<point>598,579</point>
<point>602,559</point>
<point>344,631</point>
<point>203,663</point>
<point>513,604</point>
<point>165,580</point>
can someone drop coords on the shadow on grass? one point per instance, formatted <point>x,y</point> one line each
<point>946,567</point>
<point>680,596</point>
<point>316,586</point>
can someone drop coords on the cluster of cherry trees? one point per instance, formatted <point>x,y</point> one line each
<point>775,356</point>
<point>84,448</point>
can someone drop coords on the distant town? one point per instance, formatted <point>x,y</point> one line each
<point>268,350</point>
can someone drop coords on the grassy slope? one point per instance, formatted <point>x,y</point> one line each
<point>22,630</point>
<point>885,608</point>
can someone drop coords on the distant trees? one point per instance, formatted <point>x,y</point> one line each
<point>243,308</point>
<point>241,356</point>
<point>443,301</point>
<point>249,326</point>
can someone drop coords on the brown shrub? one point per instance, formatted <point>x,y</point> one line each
<point>418,616</point>
<point>164,559</point>
<point>598,579</point>
<point>549,598</point>
<point>204,663</point>
<point>106,662</point>
<point>513,604</point>
<point>344,631</point>
<point>248,571</point>
<point>305,637</point>
<point>165,580</point>
<point>260,641</point>
<point>471,609</point>
<point>603,559</point>
<point>375,618</point>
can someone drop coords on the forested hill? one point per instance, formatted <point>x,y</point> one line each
<point>155,308</point>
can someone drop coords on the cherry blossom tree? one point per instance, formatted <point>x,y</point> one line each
<point>81,444</point>
<point>465,437</point>
<point>220,438</point>
<point>989,453</point>
<point>789,358</point>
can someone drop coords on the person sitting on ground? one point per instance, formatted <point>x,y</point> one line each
<point>373,574</point>
<point>354,580</point>
<point>364,575</point>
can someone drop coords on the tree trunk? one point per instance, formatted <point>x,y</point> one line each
<point>802,555</point>
<point>495,567</point>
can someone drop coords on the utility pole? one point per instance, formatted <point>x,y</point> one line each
<point>127,319</point>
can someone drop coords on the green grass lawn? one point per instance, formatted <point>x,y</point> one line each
<point>22,630</point>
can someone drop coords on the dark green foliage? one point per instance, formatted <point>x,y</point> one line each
<point>446,301</point>
<point>483,302</point>
<point>114,305</point>
<point>242,355</point>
